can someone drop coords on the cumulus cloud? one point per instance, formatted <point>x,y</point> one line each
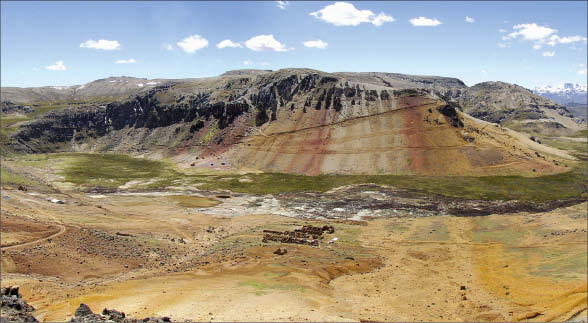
<point>381,18</point>
<point>169,47</point>
<point>58,66</point>
<point>502,30</point>
<point>247,62</point>
<point>425,22</point>
<point>483,72</point>
<point>228,43</point>
<point>503,45</point>
<point>583,70</point>
<point>470,20</point>
<point>126,61</point>
<point>548,54</point>
<point>345,14</point>
<point>529,32</point>
<point>101,44</point>
<point>265,43</point>
<point>315,44</point>
<point>282,4</point>
<point>540,35</point>
<point>193,43</point>
<point>555,39</point>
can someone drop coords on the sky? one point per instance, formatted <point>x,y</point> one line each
<point>75,42</point>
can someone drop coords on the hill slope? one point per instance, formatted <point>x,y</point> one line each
<point>295,120</point>
<point>517,108</point>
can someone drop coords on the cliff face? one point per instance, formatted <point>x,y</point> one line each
<point>293,120</point>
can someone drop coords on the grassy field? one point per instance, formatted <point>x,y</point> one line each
<point>9,177</point>
<point>111,170</point>
<point>114,170</point>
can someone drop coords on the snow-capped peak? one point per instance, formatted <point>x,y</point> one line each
<point>564,93</point>
<point>561,88</point>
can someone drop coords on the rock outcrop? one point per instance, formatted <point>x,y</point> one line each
<point>294,120</point>
<point>9,107</point>
<point>85,315</point>
<point>14,308</point>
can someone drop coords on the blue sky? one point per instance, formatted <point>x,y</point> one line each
<point>67,43</point>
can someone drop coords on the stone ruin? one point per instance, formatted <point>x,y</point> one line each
<point>307,235</point>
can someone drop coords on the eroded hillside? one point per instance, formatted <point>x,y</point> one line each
<point>294,120</point>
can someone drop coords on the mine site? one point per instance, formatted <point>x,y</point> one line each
<point>265,192</point>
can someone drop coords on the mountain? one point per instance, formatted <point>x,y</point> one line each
<point>579,110</point>
<point>516,107</point>
<point>506,104</point>
<point>297,121</point>
<point>108,88</point>
<point>564,93</point>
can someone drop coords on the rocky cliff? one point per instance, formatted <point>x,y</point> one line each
<point>294,120</point>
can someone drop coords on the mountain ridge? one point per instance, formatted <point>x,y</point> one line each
<point>295,121</point>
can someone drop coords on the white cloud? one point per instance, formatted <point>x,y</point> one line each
<point>470,20</point>
<point>583,71</point>
<point>503,45</point>
<point>345,14</point>
<point>381,18</point>
<point>58,66</point>
<point>555,39</point>
<point>228,43</point>
<point>193,43</point>
<point>315,44</point>
<point>502,30</point>
<point>549,54</point>
<point>541,35</point>
<point>169,47</point>
<point>126,61</point>
<point>247,62</point>
<point>265,64</point>
<point>425,22</point>
<point>265,43</point>
<point>282,4</point>
<point>101,44</point>
<point>530,32</point>
<point>483,72</point>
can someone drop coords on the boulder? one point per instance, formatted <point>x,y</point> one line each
<point>83,310</point>
<point>280,251</point>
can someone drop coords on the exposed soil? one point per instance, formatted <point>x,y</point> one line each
<point>403,260</point>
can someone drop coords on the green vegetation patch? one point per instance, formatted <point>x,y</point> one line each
<point>567,144</point>
<point>434,231</point>
<point>550,187</point>
<point>562,263</point>
<point>581,134</point>
<point>193,201</point>
<point>113,170</point>
<point>496,229</point>
<point>261,288</point>
<point>9,177</point>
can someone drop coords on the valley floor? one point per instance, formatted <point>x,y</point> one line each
<point>198,255</point>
